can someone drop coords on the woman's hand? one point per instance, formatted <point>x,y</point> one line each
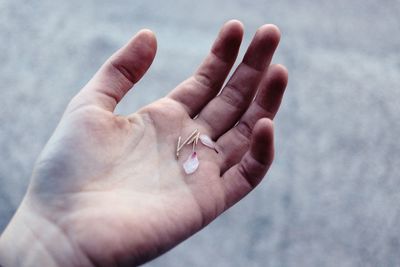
<point>108,190</point>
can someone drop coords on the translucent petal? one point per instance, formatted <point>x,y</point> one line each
<point>206,140</point>
<point>191,164</point>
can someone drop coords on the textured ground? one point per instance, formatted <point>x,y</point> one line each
<point>332,196</point>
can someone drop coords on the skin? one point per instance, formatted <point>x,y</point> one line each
<point>107,190</point>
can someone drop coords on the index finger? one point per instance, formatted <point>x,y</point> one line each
<point>200,88</point>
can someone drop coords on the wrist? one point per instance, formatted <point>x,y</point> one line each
<point>31,240</point>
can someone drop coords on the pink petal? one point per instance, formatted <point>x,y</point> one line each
<point>191,164</point>
<point>206,140</point>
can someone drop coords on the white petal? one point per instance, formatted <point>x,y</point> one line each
<point>206,140</point>
<point>191,164</point>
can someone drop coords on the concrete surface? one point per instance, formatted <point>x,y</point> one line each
<point>332,196</point>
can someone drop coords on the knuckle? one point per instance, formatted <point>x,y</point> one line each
<point>232,96</point>
<point>204,79</point>
<point>131,74</point>
<point>244,129</point>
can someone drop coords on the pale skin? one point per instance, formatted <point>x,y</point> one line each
<point>107,190</point>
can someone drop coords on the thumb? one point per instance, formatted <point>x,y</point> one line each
<point>120,72</point>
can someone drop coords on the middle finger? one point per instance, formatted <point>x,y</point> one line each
<point>221,113</point>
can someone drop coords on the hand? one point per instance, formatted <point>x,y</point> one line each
<point>107,189</point>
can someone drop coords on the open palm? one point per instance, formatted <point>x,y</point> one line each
<point>112,186</point>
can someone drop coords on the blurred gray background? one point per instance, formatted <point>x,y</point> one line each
<point>332,196</point>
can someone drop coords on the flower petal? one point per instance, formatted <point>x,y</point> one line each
<point>206,140</point>
<point>191,164</point>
